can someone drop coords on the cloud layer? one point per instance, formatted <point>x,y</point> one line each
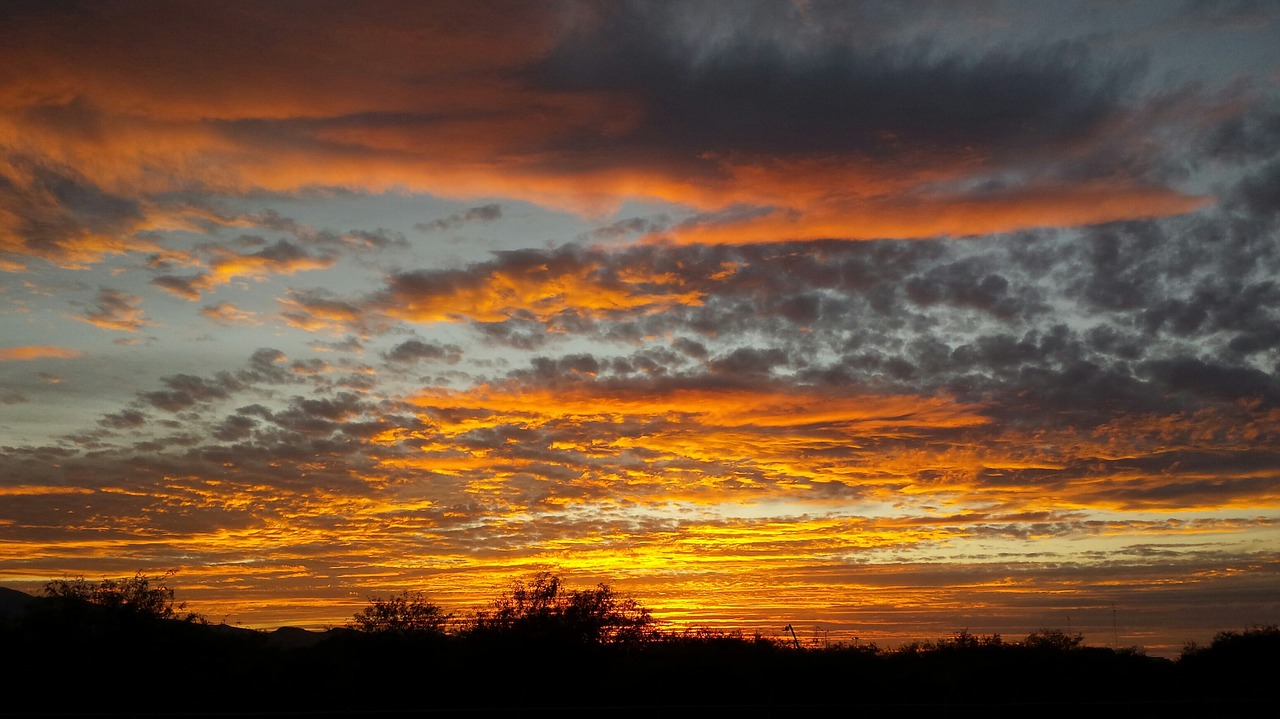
<point>764,310</point>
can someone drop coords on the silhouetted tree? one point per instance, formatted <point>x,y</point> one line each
<point>1053,639</point>
<point>963,639</point>
<point>543,609</point>
<point>138,596</point>
<point>406,613</point>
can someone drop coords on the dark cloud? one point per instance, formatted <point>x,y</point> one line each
<point>693,349</point>
<point>483,213</point>
<point>319,417</point>
<point>1213,380</point>
<point>267,366</point>
<point>185,391</point>
<point>517,334</point>
<point>309,367</point>
<point>1246,137</point>
<point>414,351</point>
<point>966,284</point>
<point>116,310</point>
<point>750,361</point>
<point>187,287</point>
<point>630,227</point>
<point>751,93</point>
<point>1259,193</point>
<point>124,419</point>
<point>56,214</point>
<point>280,255</point>
<point>235,428</point>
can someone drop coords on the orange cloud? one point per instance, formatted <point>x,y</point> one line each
<point>539,290</point>
<point>709,446</point>
<point>460,121</point>
<point>920,215</point>
<point>227,313</point>
<point>313,313</point>
<point>703,446</point>
<point>723,408</point>
<point>17,354</point>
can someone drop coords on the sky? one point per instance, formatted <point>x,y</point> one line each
<point>884,320</point>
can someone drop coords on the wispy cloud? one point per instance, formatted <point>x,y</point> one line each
<point>116,310</point>
<point>482,213</point>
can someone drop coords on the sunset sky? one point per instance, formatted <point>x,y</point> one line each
<point>881,319</point>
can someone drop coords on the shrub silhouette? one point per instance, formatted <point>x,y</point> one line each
<point>406,613</point>
<point>542,645</point>
<point>543,609</point>
<point>139,596</point>
<point>1054,639</point>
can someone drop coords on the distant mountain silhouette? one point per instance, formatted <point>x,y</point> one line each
<point>14,603</point>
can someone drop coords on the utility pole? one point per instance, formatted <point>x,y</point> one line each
<point>1115,628</point>
<point>794,638</point>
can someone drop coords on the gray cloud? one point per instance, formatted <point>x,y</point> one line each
<point>59,215</point>
<point>752,92</point>
<point>185,391</point>
<point>124,419</point>
<point>116,310</point>
<point>414,351</point>
<point>482,213</point>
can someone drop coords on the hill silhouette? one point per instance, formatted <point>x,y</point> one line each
<point>538,654</point>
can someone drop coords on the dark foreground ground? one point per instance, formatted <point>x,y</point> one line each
<point>60,664</point>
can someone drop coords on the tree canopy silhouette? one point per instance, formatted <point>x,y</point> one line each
<point>406,613</point>
<point>543,609</point>
<point>139,596</point>
<point>1054,639</point>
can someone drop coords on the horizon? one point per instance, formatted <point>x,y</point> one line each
<point>810,635</point>
<point>885,321</point>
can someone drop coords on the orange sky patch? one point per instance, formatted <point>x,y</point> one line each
<point>727,408</point>
<point>18,354</point>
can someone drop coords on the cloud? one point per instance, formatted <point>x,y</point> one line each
<point>185,391</point>
<point>631,227</point>
<point>585,108</point>
<point>281,258</point>
<point>528,284</point>
<point>350,344</point>
<point>414,351</point>
<point>317,310</point>
<point>188,288</point>
<point>483,213</point>
<point>116,310</point>
<point>18,354</point>
<point>712,378</point>
<point>124,419</point>
<point>228,314</point>
<point>267,365</point>
<point>723,463</point>
<point>50,212</point>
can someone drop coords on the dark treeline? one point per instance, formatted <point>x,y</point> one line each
<point>124,647</point>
